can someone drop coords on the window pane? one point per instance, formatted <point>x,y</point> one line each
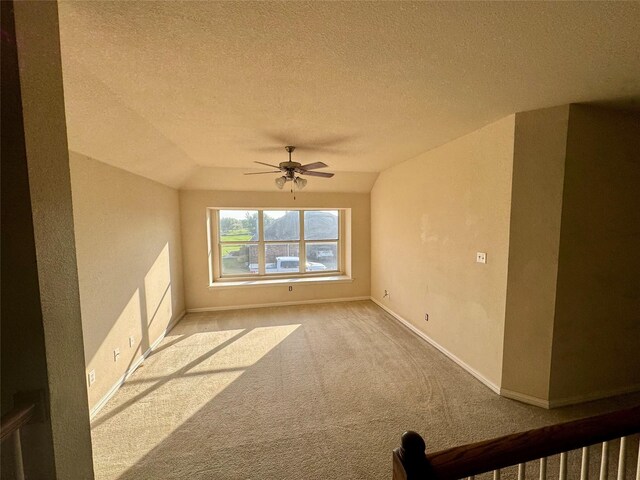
<point>238,225</point>
<point>239,259</point>
<point>282,257</point>
<point>322,256</point>
<point>281,225</point>
<point>321,225</point>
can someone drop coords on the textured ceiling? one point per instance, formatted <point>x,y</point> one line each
<point>173,91</point>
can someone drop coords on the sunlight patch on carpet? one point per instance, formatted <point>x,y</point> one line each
<point>169,389</point>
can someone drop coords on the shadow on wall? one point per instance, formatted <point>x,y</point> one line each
<point>127,231</point>
<point>145,316</point>
<point>150,303</point>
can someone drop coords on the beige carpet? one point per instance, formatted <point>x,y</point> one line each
<point>302,392</point>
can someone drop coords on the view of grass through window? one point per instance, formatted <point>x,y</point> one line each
<point>290,242</point>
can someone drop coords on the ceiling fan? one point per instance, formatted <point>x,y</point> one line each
<point>292,170</point>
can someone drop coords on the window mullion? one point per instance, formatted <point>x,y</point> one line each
<point>215,260</point>
<point>261,255</point>
<point>340,249</point>
<point>302,247</point>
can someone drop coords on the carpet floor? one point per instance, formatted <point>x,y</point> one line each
<point>300,392</point>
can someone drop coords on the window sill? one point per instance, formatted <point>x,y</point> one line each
<point>281,281</point>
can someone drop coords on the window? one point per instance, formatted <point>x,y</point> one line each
<point>275,243</point>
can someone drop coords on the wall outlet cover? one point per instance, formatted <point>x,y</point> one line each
<point>481,257</point>
<point>92,377</point>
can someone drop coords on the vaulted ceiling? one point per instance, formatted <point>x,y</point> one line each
<point>191,93</point>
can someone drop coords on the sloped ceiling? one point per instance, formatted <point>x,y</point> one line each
<point>191,93</point>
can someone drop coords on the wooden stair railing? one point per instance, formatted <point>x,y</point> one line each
<point>10,426</point>
<point>411,463</point>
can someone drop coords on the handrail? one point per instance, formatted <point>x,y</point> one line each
<point>501,452</point>
<point>13,420</point>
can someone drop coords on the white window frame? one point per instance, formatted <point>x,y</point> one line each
<point>215,246</point>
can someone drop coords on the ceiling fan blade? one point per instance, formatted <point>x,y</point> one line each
<point>317,174</point>
<point>313,166</point>
<point>268,165</point>
<point>260,173</point>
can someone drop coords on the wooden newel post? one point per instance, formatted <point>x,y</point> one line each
<point>410,461</point>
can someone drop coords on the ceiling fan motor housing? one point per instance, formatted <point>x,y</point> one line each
<point>290,168</point>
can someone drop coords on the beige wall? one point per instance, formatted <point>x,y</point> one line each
<point>430,216</point>
<point>129,265</point>
<point>41,324</point>
<point>538,176</point>
<point>198,294</point>
<point>23,349</point>
<point>597,326</point>
<point>573,295</point>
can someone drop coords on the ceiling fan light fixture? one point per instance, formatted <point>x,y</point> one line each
<point>280,181</point>
<point>300,183</point>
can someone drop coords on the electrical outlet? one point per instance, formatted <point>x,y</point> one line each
<point>481,257</point>
<point>116,354</point>
<point>132,341</point>
<point>426,317</point>
<point>92,377</point>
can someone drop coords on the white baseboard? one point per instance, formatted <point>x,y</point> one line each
<point>589,397</point>
<point>563,402</point>
<point>275,304</point>
<point>495,388</point>
<point>112,391</point>
<point>524,398</point>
